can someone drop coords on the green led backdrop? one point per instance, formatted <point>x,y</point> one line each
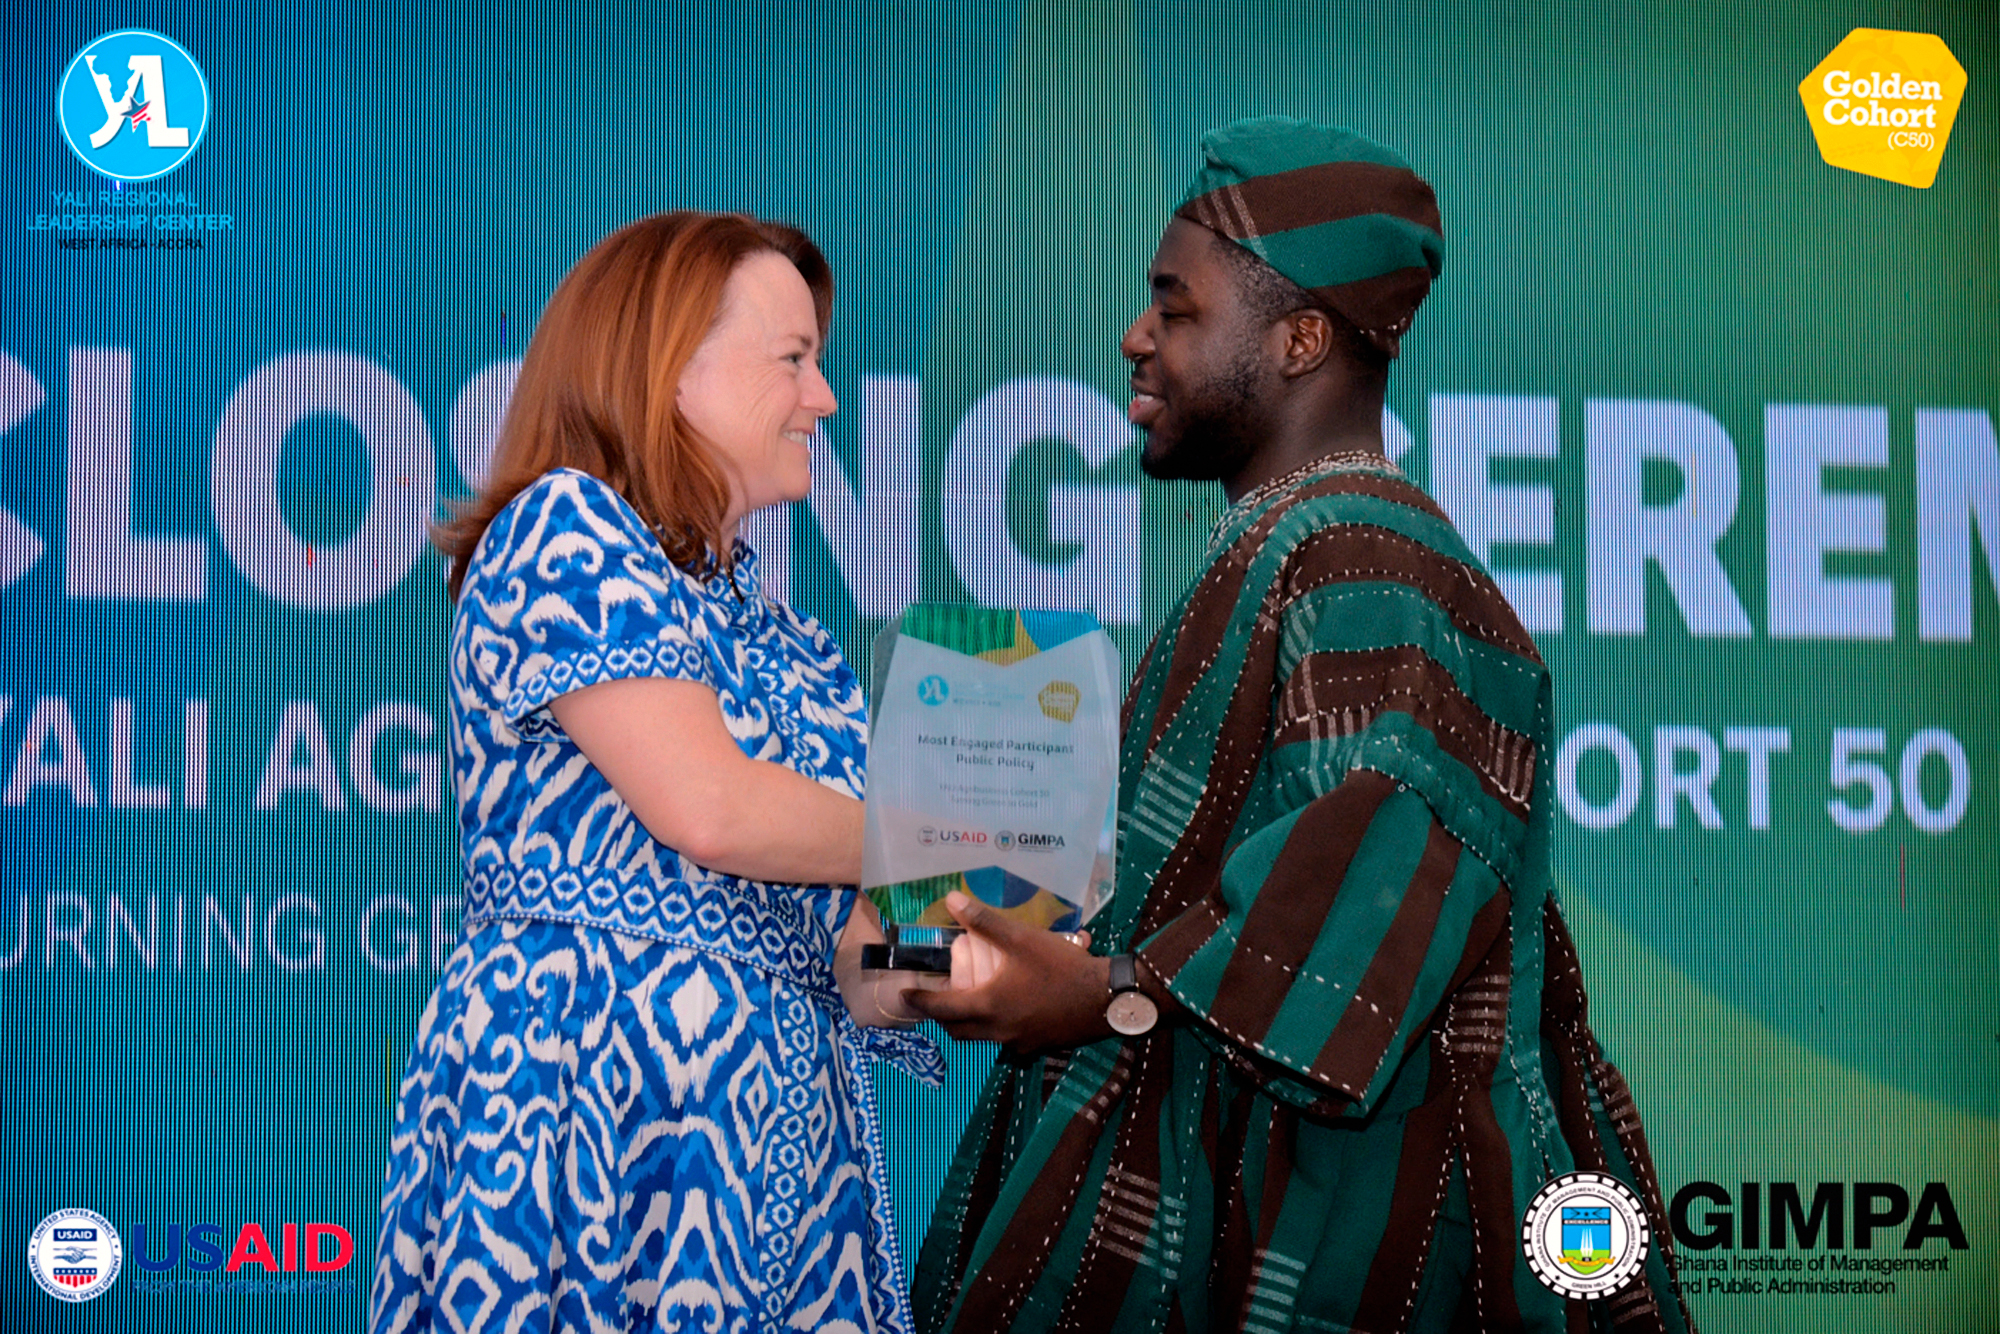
<point>1720,416</point>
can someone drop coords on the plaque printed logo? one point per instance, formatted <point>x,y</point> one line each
<point>1059,700</point>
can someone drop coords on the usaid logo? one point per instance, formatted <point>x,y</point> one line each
<point>133,105</point>
<point>74,1254</point>
<point>931,836</point>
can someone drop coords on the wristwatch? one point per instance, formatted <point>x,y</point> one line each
<point>1131,1011</point>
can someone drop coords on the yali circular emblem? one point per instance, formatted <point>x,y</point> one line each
<point>133,104</point>
<point>74,1254</point>
<point>1585,1234</point>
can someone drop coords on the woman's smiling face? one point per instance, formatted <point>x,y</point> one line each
<point>754,390</point>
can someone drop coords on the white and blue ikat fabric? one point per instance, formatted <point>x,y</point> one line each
<point>635,1101</point>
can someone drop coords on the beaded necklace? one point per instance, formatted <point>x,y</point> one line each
<point>1353,460</point>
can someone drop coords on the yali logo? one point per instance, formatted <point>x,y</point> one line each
<point>74,1254</point>
<point>133,105</point>
<point>933,689</point>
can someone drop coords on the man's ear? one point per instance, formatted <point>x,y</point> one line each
<point>1308,341</point>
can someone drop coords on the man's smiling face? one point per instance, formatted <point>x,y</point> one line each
<point>1200,373</point>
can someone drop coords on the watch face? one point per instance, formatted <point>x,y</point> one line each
<point>1132,1013</point>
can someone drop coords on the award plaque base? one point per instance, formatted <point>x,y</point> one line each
<point>915,949</point>
<point>927,949</point>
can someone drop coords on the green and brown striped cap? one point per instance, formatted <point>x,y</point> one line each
<point>1339,214</point>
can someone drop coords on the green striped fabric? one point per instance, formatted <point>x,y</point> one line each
<point>1337,213</point>
<point>1334,850</point>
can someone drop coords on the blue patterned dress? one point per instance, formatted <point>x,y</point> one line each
<point>635,1101</point>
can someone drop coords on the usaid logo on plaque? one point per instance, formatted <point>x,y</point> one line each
<point>989,720</point>
<point>74,1254</point>
<point>133,105</point>
<point>951,838</point>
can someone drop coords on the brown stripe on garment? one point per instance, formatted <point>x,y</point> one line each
<point>1383,303</point>
<point>977,1170</point>
<point>1633,1307</point>
<point>991,1174</point>
<point>1308,196</point>
<point>1192,870</point>
<point>1054,1066</point>
<point>1568,1037</point>
<point>1631,1135</point>
<point>1211,605</point>
<point>1279,1160</point>
<point>1230,1256</point>
<point>1464,593</point>
<point>1381,486</point>
<point>1565,1010</point>
<point>1356,1048</point>
<point>1423,1168</point>
<point>1138,680</point>
<point>1185,932</point>
<point>1336,693</point>
<point>1623,1114</point>
<point>1205,621</point>
<point>1489,924</point>
<point>1578,1062</point>
<point>992,1295</point>
<point>1291,907</point>
<point>1489,1190</point>
<point>1109,1265</point>
<point>1213,211</point>
<point>1475,1029</point>
<point>1565,969</point>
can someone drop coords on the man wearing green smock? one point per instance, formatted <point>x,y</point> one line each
<point>1332,1040</point>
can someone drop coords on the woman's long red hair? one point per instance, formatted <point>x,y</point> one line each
<point>598,385</point>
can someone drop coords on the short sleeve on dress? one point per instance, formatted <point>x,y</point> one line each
<point>569,588</point>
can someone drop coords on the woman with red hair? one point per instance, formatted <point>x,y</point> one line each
<point>639,1097</point>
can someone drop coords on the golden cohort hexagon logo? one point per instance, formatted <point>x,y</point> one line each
<point>1882,104</point>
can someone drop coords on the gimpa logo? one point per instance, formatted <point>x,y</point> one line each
<point>1882,104</point>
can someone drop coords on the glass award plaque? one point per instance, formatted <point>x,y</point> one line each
<point>992,770</point>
